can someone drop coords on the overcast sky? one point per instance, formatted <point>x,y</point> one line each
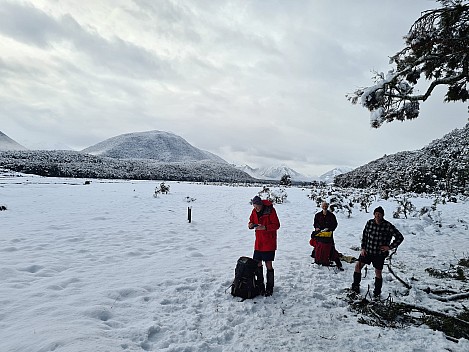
<point>256,82</point>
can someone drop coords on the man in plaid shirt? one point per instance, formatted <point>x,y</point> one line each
<point>376,243</point>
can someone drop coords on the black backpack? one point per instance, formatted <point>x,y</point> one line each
<point>244,283</point>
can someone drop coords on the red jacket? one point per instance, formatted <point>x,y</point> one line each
<point>266,240</point>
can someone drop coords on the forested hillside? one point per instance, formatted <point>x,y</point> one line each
<point>81,165</point>
<point>443,165</point>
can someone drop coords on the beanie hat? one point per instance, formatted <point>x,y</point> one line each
<point>379,210</point>
<point>256,200</point>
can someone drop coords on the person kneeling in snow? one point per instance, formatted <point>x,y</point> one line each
<point>265,222</point>
<point>322,238</point>
<point>375,245</point>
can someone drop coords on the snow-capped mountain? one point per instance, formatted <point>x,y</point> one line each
<point>156,145</point>
<point>274,173</point>
<point>328,177</point>
<point>6,143</point>
<point>247,169</point>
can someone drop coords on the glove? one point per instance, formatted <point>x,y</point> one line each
<point>314,233</point>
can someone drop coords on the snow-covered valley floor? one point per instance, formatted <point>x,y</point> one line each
<point>109,267</point>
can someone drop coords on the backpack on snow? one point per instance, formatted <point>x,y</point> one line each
<point>244,283</point>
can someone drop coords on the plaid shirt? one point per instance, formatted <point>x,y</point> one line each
<point>375,235</point>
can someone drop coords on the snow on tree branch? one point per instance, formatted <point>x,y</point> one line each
<point>436,50</point>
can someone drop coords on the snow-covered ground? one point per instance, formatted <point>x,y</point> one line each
<point>108,267</point>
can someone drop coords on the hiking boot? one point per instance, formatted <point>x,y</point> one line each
<point>261,289</point>
<point>260,280</point>
<point>357,278</point>
<point>378,286</point>
<point>269,288</point>
<point>339,264</point>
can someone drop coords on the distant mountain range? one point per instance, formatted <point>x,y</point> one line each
<point>329,176</point>
<point>274,173</point>
<point>155,145</point>
<point>443,165</point>
<point>6,143</point>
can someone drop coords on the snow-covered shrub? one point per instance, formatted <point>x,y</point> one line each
<point>285,180</point>
<point>339,199</point>
<point>340,202</point>
<point>364,199</point>
<point>430,214</point>
<point>275,196</point>
<point>163,189</point>
<point>405,206</point>
<point>385,194</point>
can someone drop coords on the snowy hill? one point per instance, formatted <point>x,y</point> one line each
<point>155,145</point>
<point>274,173</point>
<point>329,176</point>
<point>6,143</point>
<point>443,165</point>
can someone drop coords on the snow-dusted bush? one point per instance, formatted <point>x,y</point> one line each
<point>278,196</point>
<point>339,199</point>
<point>364,199</point>
<point>405,206</point>
<point>163,189</point>
<point>285,180</point>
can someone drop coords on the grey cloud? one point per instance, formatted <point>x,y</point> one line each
<point>173,20</point>
<point>28,24</point>
<point>33,26</point>
<point>222,74</point>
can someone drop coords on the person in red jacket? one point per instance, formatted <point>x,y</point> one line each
<point>265,222</point>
